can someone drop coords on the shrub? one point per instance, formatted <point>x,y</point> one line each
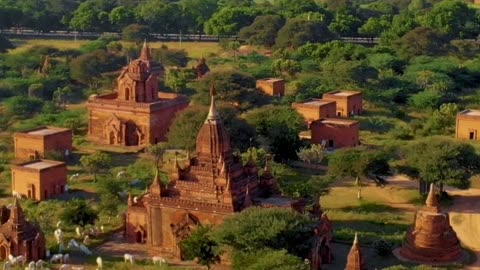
<point>382,247</point>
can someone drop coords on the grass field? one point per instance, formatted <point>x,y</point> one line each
<point>194,49</point>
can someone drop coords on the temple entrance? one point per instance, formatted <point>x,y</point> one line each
<point>111,137</point>
<point>132,138</point>
<point>140,235</point>
<point>3,253</point>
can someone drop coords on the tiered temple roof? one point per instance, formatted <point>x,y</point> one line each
<point>431,239</point>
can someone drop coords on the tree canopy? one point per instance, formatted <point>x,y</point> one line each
<point>441,161</point>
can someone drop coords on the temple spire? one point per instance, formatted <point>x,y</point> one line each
<point>130,199</point>
<point>145,52</point>
<point>432,202</point>
<point>16,212</point>
<point>355,258</point>
<point>213,113</point>
<point>248,200</point>
<point>156,186</point>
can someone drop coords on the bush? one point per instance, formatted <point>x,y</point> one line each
<point>382,247</point>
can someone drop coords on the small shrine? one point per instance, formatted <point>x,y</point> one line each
<point>431,239</point>
<point>202,68</point>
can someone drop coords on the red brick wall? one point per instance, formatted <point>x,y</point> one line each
<point>25,146</point>
<point>342,136</point>
<point>58,142</point>
<point>45,180</point>
<point>272,88</point>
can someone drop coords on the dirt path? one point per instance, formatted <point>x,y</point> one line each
<point>465,220</point>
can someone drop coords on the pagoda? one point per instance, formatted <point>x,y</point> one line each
<point>431,239</point>
<point>355,257</point>
<point>210,187</point>
<point>19,237</point>
<point>136,114</point>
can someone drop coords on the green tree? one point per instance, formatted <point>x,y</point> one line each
<point>109,205</point>
<point>88,68</point>
<point>421,41</point>
<point>22,107</point>
<point>441,161</point>
<point>155,153</point>
<point>297,32</point>
<point>275,228</point>
<point>136,33</point>
<point>62,95</point>
<point>96,163</point>
<point>86,17</point>
<point>345,23</point>
<point>452,17</point>
<point>313,154</point>
<point>199,11</point>
<point>78,212</point>
<point>267,259</point>
<point>357,162</point>
<point>121,16</point>
<point>280,127</point>
<point>230,86</point>
<point>201,247</point>
<point>291,9</point>
<point>286,66</point>
<point>263,30</point>
<point>229,20</point>
<point>428,99</point>
<point>177,79</point>
<point>161,15</point>
<point>375,26</point>
<point>442,120</point>
<point>183,131</point>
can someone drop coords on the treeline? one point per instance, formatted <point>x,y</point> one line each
<point>256,21</point>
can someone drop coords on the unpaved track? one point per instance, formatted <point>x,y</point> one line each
<point>465,220</point>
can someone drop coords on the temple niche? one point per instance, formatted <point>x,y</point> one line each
<point>137,113</point>
<point>208,188</point>
<point>432,238</point>
<point>19,237</point>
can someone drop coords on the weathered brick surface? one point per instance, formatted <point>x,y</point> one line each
<point>39,182</point>
<point>35,143</point>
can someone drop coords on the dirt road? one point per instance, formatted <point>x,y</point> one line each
<point>465,220</point>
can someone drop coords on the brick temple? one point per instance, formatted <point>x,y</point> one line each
<point>37,143</point>
<point>468,125</point>
<point>19,237</point>
<point>136,114</point>
<point>210,187</point>
<point>272,86</point>
<point>40,179</point>
<point>315,109</point>
<point>335,132</point>
<point>431,239</point>
<point>349,103</point>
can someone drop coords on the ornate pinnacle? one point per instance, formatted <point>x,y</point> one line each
<point>212,113</point>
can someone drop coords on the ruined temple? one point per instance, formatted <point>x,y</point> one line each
<point>431,238</point>
<point>202,68</point>
<point>210,187</point>
<point>355,259</point>
<point>19,237</point>
<point>137,113</point>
